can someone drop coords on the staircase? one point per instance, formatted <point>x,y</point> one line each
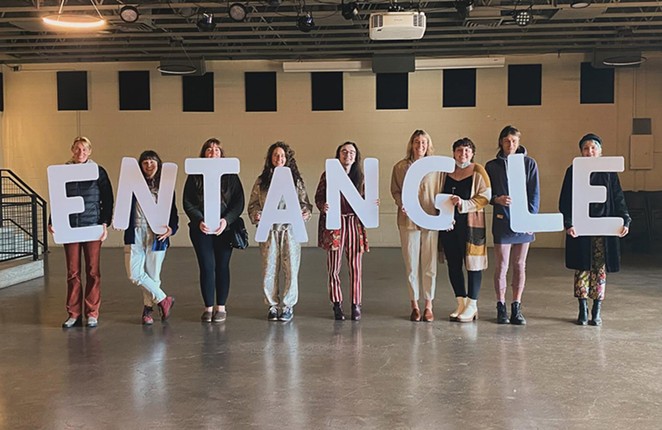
<point>23,239</point>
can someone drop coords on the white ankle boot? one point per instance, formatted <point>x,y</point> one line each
<point>470,311</point>
<point>461,303</point>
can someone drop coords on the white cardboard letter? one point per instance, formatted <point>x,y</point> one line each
<point>282,188</point>
<point>410,200</point>
<point>521,220</point>
<point>583,193</point>
<point>211,170</point>
<point>132,182</point>
<point>338,182</point>
<point>63,206</point>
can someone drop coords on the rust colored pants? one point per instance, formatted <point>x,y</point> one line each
<point>91,251</point>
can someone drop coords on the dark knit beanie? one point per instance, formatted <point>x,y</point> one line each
<point>590,136</point>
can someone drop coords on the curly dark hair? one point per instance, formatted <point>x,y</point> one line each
<point>356,171</point>
<point>290,161</point>
<point>152,155</point>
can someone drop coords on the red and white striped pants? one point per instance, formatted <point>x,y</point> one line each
<point>349,241</point>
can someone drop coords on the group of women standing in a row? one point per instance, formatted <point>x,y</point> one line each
<point>471,186</point>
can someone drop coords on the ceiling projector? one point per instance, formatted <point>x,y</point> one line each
<point>409,25</point>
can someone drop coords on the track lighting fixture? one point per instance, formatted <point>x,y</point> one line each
<point>206,22</point>
<point>305,22</point>
<point>349,10</point>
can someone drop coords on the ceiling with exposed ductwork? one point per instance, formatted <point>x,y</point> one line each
<point>269,31</point>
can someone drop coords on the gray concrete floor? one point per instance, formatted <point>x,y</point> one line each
<point>312,373</point>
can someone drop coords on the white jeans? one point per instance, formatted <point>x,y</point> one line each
<point>281,253</point>
<point>143,266</point>
<point>419,250</point>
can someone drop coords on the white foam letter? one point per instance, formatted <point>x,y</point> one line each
<point>63,206</point>
<point>583,193</point>
<point>338,182</point>
<point>281,188</point>
<point>132,182</point>
<point>521,220</point>
<point>211,170</point>
<point>411,202</point>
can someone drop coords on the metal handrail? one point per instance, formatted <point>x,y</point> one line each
<point>37,204</point>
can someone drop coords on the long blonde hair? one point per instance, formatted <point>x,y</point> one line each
<point>410,145</point>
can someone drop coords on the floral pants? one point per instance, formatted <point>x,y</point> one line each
<point>592,283</point>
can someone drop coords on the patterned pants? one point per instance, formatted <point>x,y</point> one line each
<point>280,253</point>
<point>349,242</point>
<point>592,283</point>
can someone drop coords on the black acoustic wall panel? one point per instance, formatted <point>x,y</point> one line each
<point>392,90</point>
<point>71,90</point>
<point>597,85</point>
<point>198,93</point>
<point>134,90</point>
<point>525,85</point>
<point>260,91</point>
<point>327,90</point>
<point>2,93</point>
<point>459,88</point>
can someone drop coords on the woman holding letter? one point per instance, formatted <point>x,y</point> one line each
<point>281,252</point>
<point>419,245</point>
<point>144,250</point>
<point>593,256</point>
<point>465,242</point>
<point>350,237</point>
<point>98,198</point>
<point>506,240</point>
<point>212,248</point>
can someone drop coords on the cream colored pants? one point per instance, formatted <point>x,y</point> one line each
<point>419,250</point>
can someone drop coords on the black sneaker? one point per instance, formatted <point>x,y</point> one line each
<point>273,314</point>
<point>286,315</point>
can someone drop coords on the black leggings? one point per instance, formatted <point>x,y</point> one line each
<point>454,243</point>
<point>213,253</point>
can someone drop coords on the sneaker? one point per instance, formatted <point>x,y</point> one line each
<point>165,307</point>
<point>206,316</point>
<point>273,314</point>
<point>92,322</point>
<point>72,322</point>
<point>219,316</point>
<point>287,314</point>
<point>147,315</point>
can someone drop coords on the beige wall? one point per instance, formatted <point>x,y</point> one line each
<point>35,134</point>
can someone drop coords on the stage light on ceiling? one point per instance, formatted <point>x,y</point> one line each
<point>349,10</point>
<point>129,14</point>
<point>523,17</point>
<point>72,21</point>
<point>237,12</point>
<point>206,22</point>
<point>305,22</point>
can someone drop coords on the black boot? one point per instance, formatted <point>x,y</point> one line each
<point>582,319</point>
<point>595,313</point>
<point>338,314</point>
<point>356,312</point>
<point>516,316</point>
<point>502,313</point>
